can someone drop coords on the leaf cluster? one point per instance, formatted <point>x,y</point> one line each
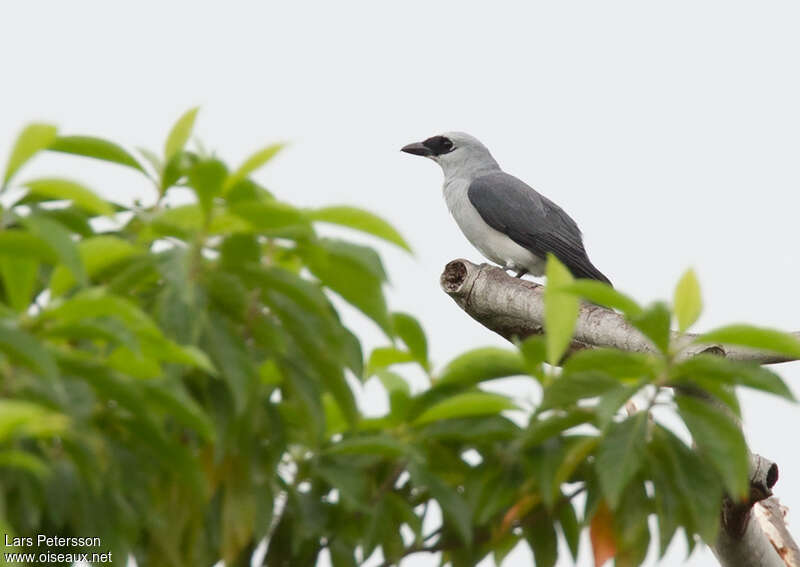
<point>177,380</point>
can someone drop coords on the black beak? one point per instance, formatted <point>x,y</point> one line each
<point>417,148</point>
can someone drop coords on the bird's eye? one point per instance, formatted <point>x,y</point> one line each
<point>446,143</point>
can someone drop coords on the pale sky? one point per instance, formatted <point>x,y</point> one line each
<point>670,132</point>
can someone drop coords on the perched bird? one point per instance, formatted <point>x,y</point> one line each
<point>505,219</point>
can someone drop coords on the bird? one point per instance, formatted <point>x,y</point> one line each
<point>507,220</point>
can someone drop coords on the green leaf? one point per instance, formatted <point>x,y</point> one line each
<point>176,168</point>
<point>353,356</point>
<point>341,554</point>
<point>687,302</point>
<point>455,510</point>
<point>632,535</point>
<point>273,218</point>
<point>307,315</point>
<point>32,139</point>
<point>468,404</point>
<point>720,393</point>
<point>230,353</point>
<point>97,254</point>
<point>754,337</point>
<point>64,189</point>
<point>704,369</point>
<point>602,294</point>
<point>361,220</point>
<point>108,330</point>
<point>247,190</point>
<point>180,133</point>
<point>616,363</point>
<point>269,373</point>
<point>21,418</point>
<point>19,280</point>
<point>653,322</point>
<point>350,481</point>
<point>569,388</point>
<point>611,401</point>
<point>206,178</point>
<point>570,527</point>
<point>668,506</point>
<point>165,350</point>
<point>541,537</point>
<point>393,382</point>
<point>237,516</point>
<point>577,451</point>
<point>352,484</point>
<point>100,303</point>
<point>60,241</point>
<point>145,432</point>
<point>398,390</point>
<point>134,363</point>
<point>380,444</point>
<point>72,218</point>
<point>560,310</point>
<point>534,353</point>
<point>472,429</point>
<point>412,334</point>
<point>541,430</point>
<point>355,273</point>
<point>251,164</point>
<point>687,491</point>
<point>481,364</point>
<point>182,220</point>
<point>16,243</point>
<point>555,461</point>
<point>238,250</point>
<point>306,294</point>
<point>153,159</point>
<point>24,349</point>
<point>97,148</point>
<point>224,223</point>
<point>364,256</point>
<point>502,546</point>
<point>23,460</point>
<point>383,357</point>
<point>621,455</point>
<point>720,440</point>
<point>174,401</point>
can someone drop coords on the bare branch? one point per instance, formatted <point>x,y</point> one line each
<point>513,307</point>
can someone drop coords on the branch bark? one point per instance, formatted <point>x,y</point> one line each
<point>754,532</point>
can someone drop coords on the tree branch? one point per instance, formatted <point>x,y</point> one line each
<point>513,307</point>
<point>748,541</point>
<point>753,532</point>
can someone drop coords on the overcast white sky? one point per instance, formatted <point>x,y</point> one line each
<point>670,132</point>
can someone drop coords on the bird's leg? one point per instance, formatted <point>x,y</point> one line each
<point>521,273</point>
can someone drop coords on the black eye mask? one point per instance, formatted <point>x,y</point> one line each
<point>439,145</point>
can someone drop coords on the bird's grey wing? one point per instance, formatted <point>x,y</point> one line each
<point>531,220</point>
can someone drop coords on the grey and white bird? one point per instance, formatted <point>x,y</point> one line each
<point>508,221</point>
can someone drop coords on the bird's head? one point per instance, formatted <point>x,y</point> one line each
<point>456,152</point>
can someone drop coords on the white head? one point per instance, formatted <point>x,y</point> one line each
<point>458,154</point>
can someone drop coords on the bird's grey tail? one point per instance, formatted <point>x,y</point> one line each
<point>587,270</point>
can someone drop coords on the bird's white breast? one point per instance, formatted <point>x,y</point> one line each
<point>493,244</point>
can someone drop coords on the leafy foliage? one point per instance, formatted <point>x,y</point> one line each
<point>177,381</point>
